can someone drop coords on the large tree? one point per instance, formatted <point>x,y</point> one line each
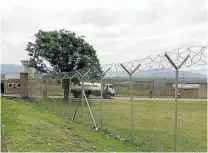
<point>63,51</point>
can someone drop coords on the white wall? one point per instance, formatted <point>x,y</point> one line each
<point>29,70</point>
<point>12,76</point>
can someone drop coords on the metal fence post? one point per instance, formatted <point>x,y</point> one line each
<point>56,78</point>
<point>101,94</point>
<point>39,93</point>
<point>70,78</point>
<point>64,77</point>
<point>82,99</point>
<point>176,110</point>
<point>46,89</point>
<point>42,91</point>
<point>101,101</point>
<point>70,105</point>
<point>53,84</point>
<point>61,96</point>
<point>132,113</point>
<point>176,96</point>
<point>82,79</point>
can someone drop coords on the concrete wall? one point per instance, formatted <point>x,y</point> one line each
<point>12,90</point>
<point>189,93</point>
<point>28,69</point>
<point>22,90</point>
<point>202,91</point>
<point>24,85</point>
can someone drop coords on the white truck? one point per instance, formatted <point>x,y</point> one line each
<point>93,89</point>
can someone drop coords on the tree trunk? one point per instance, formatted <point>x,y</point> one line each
<point>66,89</point>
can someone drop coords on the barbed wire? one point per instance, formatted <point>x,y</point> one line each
<point>198,58</point>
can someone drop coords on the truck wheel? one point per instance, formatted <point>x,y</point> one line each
<point>75,95</point>
<point>79,95</point>
<point>108,96</point>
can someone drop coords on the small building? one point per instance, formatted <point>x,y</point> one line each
<point>11,83</point>
<point>17,83</point>
<point>192,90</point>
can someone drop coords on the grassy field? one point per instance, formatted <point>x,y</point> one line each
<point>31,128</point>
<point>153,122</point>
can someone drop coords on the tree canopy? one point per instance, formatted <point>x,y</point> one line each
<point>62,50</point>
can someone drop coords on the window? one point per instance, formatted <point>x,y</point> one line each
<point>10,85</point>
<point>111,86</point>
<point>13,85</point>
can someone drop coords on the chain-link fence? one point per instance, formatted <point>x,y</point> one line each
<point>132,100</point>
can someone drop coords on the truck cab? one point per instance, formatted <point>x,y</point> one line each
<point>108,91</point>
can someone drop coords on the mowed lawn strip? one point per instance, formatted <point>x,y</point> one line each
<point>153,122</point>
<point>30,127</point>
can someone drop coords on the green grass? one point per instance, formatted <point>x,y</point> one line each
<point>29,127</point>
<point>3,143</point>
<point>153,122</point>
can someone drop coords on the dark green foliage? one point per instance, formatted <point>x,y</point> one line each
<point>62,50</point>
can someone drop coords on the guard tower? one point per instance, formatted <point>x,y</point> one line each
<point>27,68</point>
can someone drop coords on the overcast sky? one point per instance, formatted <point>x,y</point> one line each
<point>119,30</point>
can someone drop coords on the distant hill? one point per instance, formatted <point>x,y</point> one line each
<point>169,73</point>
<point>163,73</point>
<point>11,68</point>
